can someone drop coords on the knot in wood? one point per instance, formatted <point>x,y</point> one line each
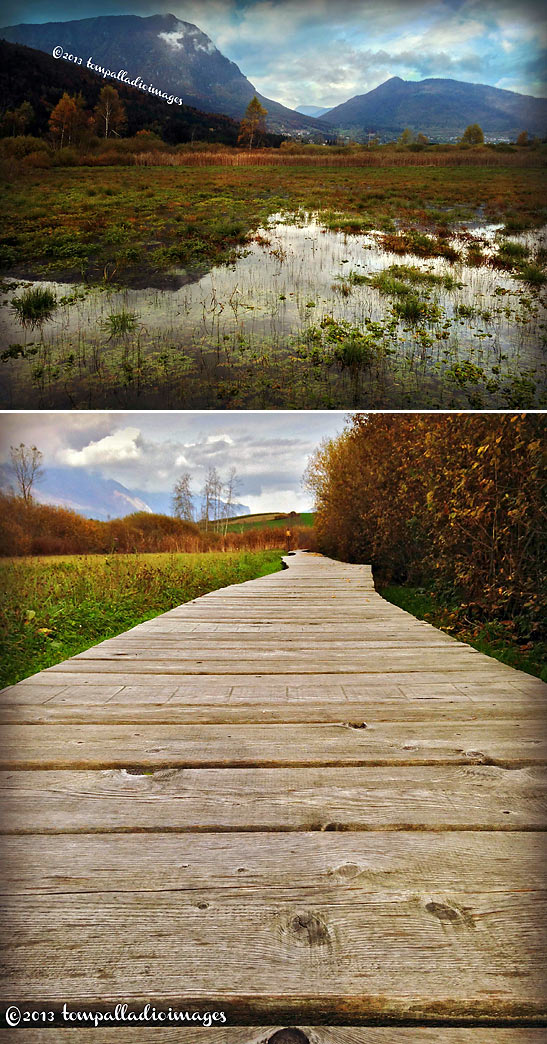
<point>289,1036</point>
<point>444,913</point>
<point>308,929</point>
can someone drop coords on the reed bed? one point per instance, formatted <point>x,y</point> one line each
<point>275,158</point>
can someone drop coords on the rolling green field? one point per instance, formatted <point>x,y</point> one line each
<point>269,520</point>
<point>56,607</point>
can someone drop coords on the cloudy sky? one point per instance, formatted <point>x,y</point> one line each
<point>322,52</point>
<point>147,451</point>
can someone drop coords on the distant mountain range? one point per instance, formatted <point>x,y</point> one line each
<point>95,497</point>
<point>311,110</point>
<point>177,57</point>
<point>174,56</point>
<point>440,109</point>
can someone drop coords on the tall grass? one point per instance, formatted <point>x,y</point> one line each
<point>54,608</point>
<point>326,158</point>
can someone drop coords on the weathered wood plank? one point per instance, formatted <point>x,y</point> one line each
<point>320,958</point>
<point>499,681</point>
<point>399,884</point>
<point>449,797</point>
<point>282,1035</point>
<point>398,663</point>
<point>239,746</point>
<point>251,867</point>
<point>133,711</point>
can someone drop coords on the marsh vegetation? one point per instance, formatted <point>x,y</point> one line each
<point>400,287</point>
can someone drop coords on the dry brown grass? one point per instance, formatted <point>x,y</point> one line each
<point>325,158</point>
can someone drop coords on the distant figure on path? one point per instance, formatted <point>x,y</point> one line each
<point>288,538</point>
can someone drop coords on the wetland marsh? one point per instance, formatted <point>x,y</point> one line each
<point>315,292</point>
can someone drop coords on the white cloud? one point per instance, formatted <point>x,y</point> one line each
<point>278,500</point>
<point>173,39</point>
<point>113,449</point>
<point>211,439</point>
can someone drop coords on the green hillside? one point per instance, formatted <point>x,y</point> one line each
<point>270,519</point>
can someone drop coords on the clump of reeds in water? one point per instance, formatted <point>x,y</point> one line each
<point>35,306</point>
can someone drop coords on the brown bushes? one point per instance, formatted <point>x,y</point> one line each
<point>40,529</point>
<point>327,157</point>
<point>454,500</point>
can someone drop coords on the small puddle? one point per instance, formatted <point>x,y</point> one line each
<point>277,328</point>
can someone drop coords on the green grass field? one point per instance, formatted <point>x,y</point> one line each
<point>270,520</point>
<point>56,607</point>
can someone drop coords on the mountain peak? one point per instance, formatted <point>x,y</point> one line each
<point>441,109</point>
<point>173,54</point>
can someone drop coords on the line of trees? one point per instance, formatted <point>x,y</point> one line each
<point>456,501</point>
<point>30,528</point>
<point>217,499</point>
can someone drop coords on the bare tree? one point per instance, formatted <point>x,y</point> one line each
<point>212,503</point>
<point>231,488</point>
<point>183,506</point>
<point>27,465</point>
<point>208,496</point>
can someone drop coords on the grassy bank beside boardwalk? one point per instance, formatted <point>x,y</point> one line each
<point>502,639</point>
<point>53,608</point>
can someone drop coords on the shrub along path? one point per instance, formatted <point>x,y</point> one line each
<point>287,800</point>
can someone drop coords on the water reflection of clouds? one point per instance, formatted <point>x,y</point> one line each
<point>292,279</point>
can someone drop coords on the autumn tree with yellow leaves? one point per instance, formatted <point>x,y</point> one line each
<point>455,500</point>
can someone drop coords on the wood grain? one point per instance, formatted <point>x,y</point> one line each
<point>136,711</point>
<point>283,1035</point>
<point>474,797</point>
<point>509,743</point>
<point>287,799</point>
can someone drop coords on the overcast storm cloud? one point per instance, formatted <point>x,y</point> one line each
<point>148,452</point>
<point>317,52</point>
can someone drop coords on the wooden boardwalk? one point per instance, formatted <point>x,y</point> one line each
<point>288,800</point>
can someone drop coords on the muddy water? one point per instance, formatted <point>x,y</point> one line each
<point>247,334</point>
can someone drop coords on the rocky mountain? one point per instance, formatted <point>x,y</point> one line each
<point>30,75</point>
<point>174,56</point>
<point>93,496</point>
<point>441,109</point>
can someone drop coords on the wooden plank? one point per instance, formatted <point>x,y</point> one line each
<point>384,873</point>
<point>449,797</point>
<point>283,1035</point>
<point>507,743</point>
<point>318,958</point>
<point>251,867</point>
<point>497,680</point>
<point>398,663</point>
<point>133,711</point>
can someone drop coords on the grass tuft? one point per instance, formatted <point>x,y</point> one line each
<point>35,306</point>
